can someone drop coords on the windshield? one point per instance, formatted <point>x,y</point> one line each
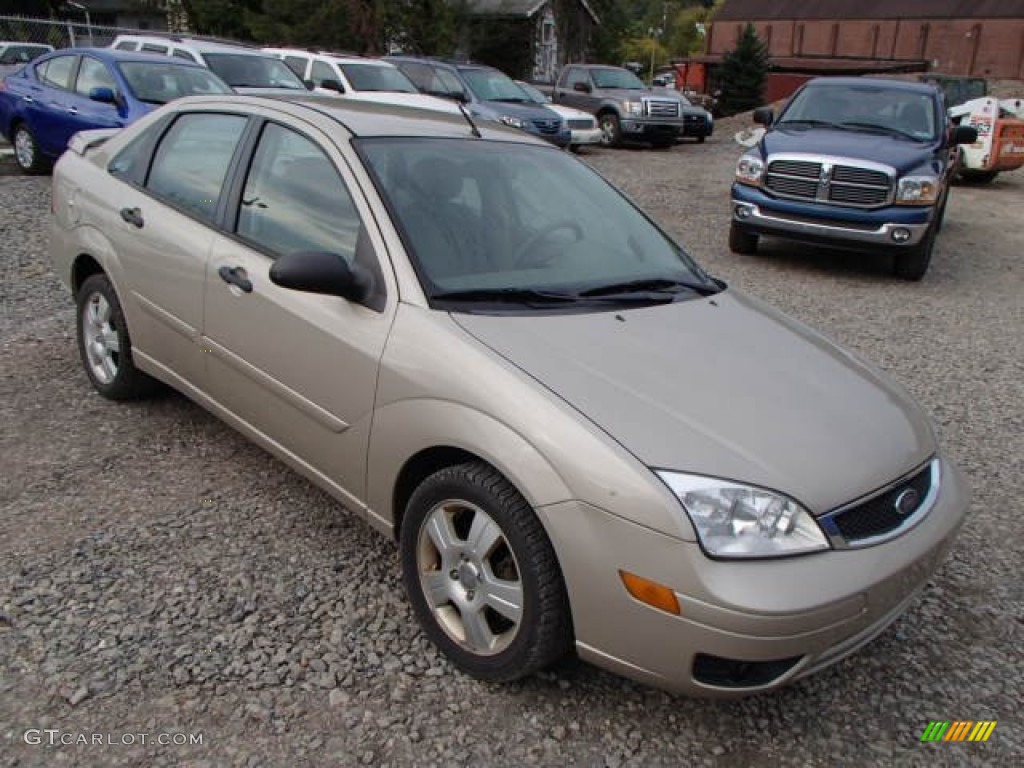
<point>160,82</point>
<point>617,78</point>
<point>486,217</point>
<point>240,70</point>
<point>374,77</point>
<point>492,85</point>
<point>871,107</point>
<point>532,93</point>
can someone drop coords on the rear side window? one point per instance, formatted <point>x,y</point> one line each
<point>294,200</point>
<point>152,48</point>
<point>57,71</point>
<point>192,160</point>
<point>126,45</point>
<point>93,74</point>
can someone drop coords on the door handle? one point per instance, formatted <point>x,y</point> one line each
<point>29,99</point>
<point>236,276</point>
<point>72,110</point>
<point>133,216</point>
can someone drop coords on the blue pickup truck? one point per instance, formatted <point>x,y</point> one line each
<point>856,163</point>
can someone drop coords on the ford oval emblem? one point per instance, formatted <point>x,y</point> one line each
<point>907,501</point>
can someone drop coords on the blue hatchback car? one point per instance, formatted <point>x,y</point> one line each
<point>77,89</point>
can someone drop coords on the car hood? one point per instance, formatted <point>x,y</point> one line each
<point>901,154</point>
<point>416,100</point>
<point>571,113</point>
<point>727,387</point>
<point>528,111</point>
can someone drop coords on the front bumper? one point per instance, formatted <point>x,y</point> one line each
<point>635,127</point>
<point>582,136</point>
<point>833,225</point>
<point>809,611</point>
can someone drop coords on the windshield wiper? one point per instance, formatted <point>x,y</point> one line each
<point>512,295</point>
<point>665,285</point>
<point>881,129</point>
<point>810,123</point>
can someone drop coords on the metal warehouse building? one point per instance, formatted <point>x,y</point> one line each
<point>962,37</point>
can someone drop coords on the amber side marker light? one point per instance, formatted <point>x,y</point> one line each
<point>650,592</point>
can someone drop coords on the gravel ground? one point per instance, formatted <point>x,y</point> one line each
<point>163,576</point>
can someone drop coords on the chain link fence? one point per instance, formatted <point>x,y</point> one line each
<point>79,34</point>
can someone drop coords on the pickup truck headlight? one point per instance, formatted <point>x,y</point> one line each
<point>634,108</point>
<point>917,190</point>
<point>740,521</point>
<point>515,122</point>
<point>749,169</point>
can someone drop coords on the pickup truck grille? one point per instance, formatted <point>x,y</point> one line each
<point>661,108</point>
<point>846,185</point>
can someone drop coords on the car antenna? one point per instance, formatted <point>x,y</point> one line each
<point>469,119</point>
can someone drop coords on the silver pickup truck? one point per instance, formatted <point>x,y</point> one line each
<point>628,110</point>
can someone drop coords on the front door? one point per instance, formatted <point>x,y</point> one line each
<point>298,368</point>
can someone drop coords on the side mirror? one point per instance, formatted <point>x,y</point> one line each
<point>459,96</point>
<point>332,85</point>
<point>964,134</point>
<point>764,116</point>
<point>582,87</point>
<point>322,272</point>
<point>310,85</point>
<point>103,95</point>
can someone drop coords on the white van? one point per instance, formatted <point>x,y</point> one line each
<point>247,70</point>
<point>357,77</point>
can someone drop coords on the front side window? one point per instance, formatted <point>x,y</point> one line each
<point>321,72</point>
<point>296,64</point>
<point>152,48</point>
<point>482,216</point>
<point>576,75</point>
<point>180,53</point>
<point>294,199</point>
<point>618,78</point>
<point>192,160</point>
<point>57,71</point>
<point>93,74</point>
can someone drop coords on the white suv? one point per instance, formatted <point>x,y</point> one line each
<point>357,77</point>
<point>246,70</point>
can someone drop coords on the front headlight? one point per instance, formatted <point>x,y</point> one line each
<point>515,122</point>
<point>737,521</point>
<point>917,190</point>
<point>634,108</point>
<point>749,169</point>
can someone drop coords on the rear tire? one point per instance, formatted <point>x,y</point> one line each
<point>741,241</point>
<point>913,263</point>
<point>26,152</point>
<point>482,576</point>
<point>104,344</point>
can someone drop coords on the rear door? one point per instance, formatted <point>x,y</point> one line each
<point>300,369</point>
<point>162,228</point>
<point>46,103</point>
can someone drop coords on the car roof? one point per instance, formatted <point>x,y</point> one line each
<point>371,119</point>
<point>877,82</point>
<point>26,42</point>
<point>114,55</point>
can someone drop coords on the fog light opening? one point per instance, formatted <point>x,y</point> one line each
<point>901,234</point>
<point>735,673</point>
<point>651,592</point>
<point>743,211</point>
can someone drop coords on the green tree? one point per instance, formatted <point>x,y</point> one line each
<point>742,73</point>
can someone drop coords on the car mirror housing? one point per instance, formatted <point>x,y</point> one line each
<point>103,94</point>
<point>764,116</point>
<point>581,87</point>
<point>332,85</point>
<point>964,134</point>
<point>322,272</point>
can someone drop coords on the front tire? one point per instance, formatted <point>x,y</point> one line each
<point>104,344</point>
<point>741,241</point>
<point>913,263</point>
<point>26,152</point>
<point>611,131</point>
<point>482,575</point>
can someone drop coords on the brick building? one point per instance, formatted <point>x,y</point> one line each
<point>962,37</point>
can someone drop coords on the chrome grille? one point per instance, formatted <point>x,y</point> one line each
<point>660,108</point>
<point>823,182</point>
<point>878,516</point>
<point>547,126</point>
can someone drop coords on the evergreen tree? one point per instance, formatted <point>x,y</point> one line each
<point>742,73</point>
